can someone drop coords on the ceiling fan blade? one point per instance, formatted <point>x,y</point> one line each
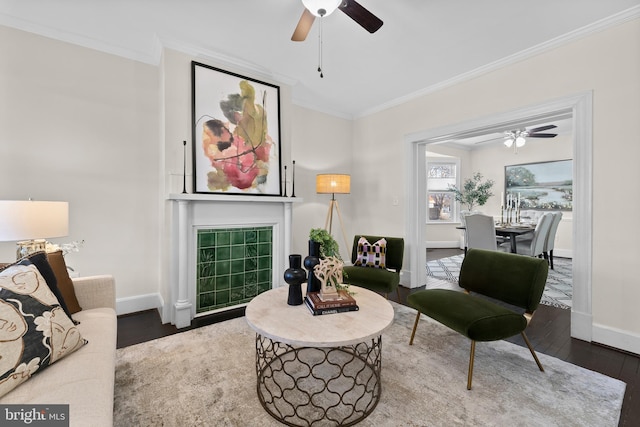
<point>362,16</point>
<point>542,135</point>
<point>541,128</point>
<point>303,27</point>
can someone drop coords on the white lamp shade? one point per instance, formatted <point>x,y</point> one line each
<point>508,142</point>
<point>520,141</point>
<point>327,5</point>
<point>29,220</point>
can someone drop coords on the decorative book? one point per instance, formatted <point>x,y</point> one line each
<point>343,300</point>
<point>322,311</point>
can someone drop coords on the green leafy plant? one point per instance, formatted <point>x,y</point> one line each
<point>328,245</point>
<point>329,248</point>
<point>474,191</point>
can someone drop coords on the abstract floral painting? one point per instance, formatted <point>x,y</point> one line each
<point>236,133</point>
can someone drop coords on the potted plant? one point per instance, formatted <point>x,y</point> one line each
<point>328,246</point>
<point>474,191</point>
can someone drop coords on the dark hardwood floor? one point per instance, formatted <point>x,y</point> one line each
<point>549,333</point>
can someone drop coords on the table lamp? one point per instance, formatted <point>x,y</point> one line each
<point>334,184</point>
<point>30,222</point>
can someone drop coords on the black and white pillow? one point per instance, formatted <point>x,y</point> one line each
<point>34,329</point>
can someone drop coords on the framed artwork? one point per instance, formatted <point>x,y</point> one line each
<point>545,185</point>
<point>236,133</point>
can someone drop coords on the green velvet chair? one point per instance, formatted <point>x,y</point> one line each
<point>383,280</point>
<point>514,283</point>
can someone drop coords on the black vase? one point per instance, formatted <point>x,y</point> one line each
<point>295,276</point>
<point>313,283</point>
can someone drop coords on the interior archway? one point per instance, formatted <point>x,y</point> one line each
<point>579,107</point>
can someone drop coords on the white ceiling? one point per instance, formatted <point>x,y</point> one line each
<point>423,44</point>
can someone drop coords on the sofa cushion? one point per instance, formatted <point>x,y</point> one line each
<point>35,332</point>
<point>371,255</point>
<point>65,285</point>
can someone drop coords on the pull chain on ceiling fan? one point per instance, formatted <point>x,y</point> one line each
<point>517,138</point>
<point>323,8</point>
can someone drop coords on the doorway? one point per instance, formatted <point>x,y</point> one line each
<point>579,108</point>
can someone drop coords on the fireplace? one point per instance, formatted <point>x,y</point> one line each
<point>224,250</point>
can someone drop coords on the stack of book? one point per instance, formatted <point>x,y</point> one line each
<point>317,305</point>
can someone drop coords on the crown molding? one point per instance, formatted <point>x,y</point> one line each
<point>601,25</point>
<point>151,57</point>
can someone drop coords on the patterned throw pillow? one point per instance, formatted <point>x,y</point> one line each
<point>372,255</point>
<point>34,330</point>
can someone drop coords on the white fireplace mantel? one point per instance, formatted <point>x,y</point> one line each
<point>190,211</point>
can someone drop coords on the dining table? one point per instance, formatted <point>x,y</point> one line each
<point>511,231</point>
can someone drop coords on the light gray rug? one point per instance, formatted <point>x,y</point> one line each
<point>206,377</point>
<point>558,291</point>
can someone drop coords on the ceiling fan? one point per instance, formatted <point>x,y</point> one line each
<point>519,136</point>
<point>321,8</point>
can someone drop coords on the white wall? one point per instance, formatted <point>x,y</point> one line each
<point>81,126</point>
<point>607,63</point>
<point>104,133</point>
<point>321,144</point>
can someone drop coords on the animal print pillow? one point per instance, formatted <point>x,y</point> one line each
<point>34,329</point>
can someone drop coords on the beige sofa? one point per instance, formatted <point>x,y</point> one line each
<point>83,379</point>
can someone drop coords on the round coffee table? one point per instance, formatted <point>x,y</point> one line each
<point>325,367</point>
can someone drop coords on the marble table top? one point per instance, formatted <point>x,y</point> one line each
<point>270,316</point>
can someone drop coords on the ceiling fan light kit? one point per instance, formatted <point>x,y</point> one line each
<point>321,7</point>
<point>520,136</point>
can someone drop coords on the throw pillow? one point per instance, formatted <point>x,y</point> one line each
<point>39,259</point>
<point>65,284</point>
<point>34,330</point>
<point>372,255</point>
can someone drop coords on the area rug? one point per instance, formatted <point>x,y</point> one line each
<point>206,377</point>
<point>557,292</point>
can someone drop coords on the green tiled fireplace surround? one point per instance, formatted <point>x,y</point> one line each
<point>234,265</point>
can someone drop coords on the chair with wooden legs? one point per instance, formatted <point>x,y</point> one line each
<point>514,283</point>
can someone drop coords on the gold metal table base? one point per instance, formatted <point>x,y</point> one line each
<point>325,386</point>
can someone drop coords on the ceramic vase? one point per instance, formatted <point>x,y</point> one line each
<point>295,276</point>
<point>313,259</point>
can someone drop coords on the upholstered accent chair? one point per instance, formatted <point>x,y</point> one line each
<point>383,278</point>
<point>550,241</point>
<point>535,245</point>
<point>513,285</point>
<point>480,233</point>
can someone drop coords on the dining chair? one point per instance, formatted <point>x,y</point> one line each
<point>549,242</point>
<point>497,286</point>
<point>535,246</point>
<point>480,232</point>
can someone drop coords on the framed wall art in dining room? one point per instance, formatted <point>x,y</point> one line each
<point>543,185</point>
<point>236,133</point>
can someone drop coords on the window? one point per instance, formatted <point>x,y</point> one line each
<point>441,202</point>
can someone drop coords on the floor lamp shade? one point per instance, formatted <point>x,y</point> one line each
<point>30,220</point>
<point>333,184</point>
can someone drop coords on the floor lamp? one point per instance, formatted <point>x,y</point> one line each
<point>334,184</point>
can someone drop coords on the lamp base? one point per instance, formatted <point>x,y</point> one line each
<point>27,247</point>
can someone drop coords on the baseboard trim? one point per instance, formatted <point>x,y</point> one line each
<point>139,303</point>
<point>444,244</point>
<point>581,326</point>
<point>616,338</point>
